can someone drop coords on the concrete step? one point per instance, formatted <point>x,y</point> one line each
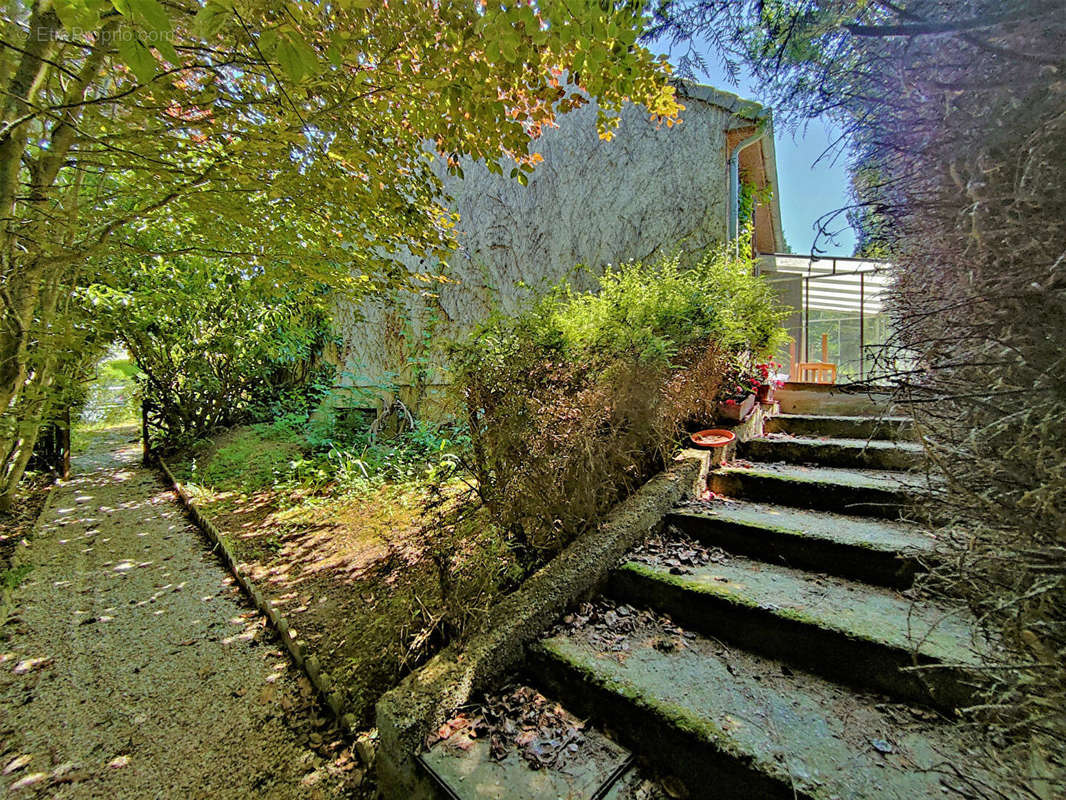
<point>815,398</point>
<point>847,427</point>
<point>748,726</point>
<point>875,551</point>
<point>878,493</point>
<point>851,632</point>
<point>833,452</point>
<point>559,757</point>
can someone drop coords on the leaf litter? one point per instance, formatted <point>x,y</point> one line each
<point>517,719</point>
<point>676,550</point>
<point>611,627</point>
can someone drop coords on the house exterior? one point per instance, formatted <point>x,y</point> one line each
<point>649,191</point>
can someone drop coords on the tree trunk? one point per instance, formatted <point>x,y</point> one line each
<point>19,295</point>
<point>27,223</point>
<point>10,484</point>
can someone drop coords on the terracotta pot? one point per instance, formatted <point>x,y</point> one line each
<point>737,411</point>
<point>712,438</point>
<point>766,392</point>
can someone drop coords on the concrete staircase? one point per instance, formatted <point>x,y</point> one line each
<point>765,646</point>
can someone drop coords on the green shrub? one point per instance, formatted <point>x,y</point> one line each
<point>321,454</point>
<point>217,343</point>
<point>575,402</point>
<point>427,451</point>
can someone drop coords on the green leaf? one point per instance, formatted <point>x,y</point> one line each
<point>296,57</point>
<point>77,15</point>
<point>210,19</point>
<point>152,14</point>
<point>289,59</point>
<point>137,57</point>
<point>333,53</point>
<point>166,49</point>
<point>268,43</point>
<point>307,55</point>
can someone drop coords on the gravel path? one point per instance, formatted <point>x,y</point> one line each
<point>133,668</point>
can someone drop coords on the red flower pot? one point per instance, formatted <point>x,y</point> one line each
<point>738,410</point>
<point>765,392</point>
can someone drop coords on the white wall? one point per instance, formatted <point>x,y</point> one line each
<point>650,190</point>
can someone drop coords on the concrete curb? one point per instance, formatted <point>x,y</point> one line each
<point>307,661</point>
<point>18,555</point>
<point>430,694</point>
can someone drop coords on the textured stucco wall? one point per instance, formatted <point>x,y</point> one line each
<point>650,190</point>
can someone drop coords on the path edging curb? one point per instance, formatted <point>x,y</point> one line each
<point>409,712</point>
<point>7,595</point>
<point>306,660</point>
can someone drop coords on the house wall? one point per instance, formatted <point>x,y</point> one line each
<point>651,189</point>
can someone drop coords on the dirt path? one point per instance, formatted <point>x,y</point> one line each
<point>133,668</point>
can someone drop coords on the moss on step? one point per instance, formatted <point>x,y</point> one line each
<point>764,731</point>
<point>856,611</point>
<point>874,535</point>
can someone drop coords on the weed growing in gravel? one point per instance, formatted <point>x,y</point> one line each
<point>11,578</point>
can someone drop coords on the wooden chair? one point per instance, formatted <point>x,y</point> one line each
<point>816,372</point>
<point>813,371</point>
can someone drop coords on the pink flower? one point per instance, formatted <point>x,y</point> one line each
<point>730,402</point>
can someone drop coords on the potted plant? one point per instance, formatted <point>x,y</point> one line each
<point>768,381</point>
<point>736,397</point>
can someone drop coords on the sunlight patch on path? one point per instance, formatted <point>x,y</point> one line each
<point>134,668</point>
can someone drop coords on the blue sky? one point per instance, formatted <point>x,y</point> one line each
<point>806,191</point>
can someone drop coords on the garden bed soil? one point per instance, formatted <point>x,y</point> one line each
<point>349,573</point>
<point>18,524</point>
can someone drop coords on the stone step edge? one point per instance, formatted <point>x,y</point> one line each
<point>887,419</point>
<point>307,661</point>
<point>879,562</point>
<point>875,428</point>
<point>765,469</point>
<point>881,499</point>
<point>838,453</point>
<point>600,793</point>
<point>663,715</point>
<point>849,442</point>
<point>725,520</point>
<point>947,695</point>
